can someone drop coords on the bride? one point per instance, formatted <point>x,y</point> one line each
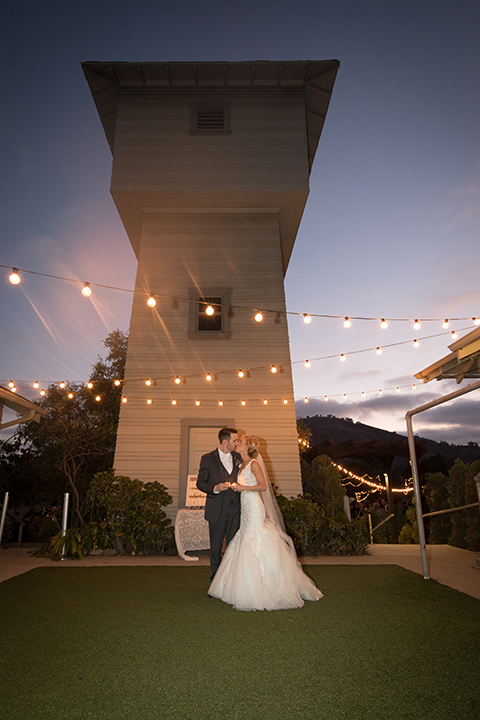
<point>260,570</point>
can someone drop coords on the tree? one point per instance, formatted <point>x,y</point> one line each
<point>304,435</point>
<point>323,483</point>
<point>75,440</point>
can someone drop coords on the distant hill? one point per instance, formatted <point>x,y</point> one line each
<point>329,427</point>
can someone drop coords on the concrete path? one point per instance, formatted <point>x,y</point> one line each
<point>448,565</point>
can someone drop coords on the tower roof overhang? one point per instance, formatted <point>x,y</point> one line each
<point>107,79</point>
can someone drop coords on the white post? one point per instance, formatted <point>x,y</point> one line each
<point>418,498</point>
<point>64,520</point>
<point>4,515</point>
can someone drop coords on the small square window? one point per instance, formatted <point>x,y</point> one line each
<point>210,313</point>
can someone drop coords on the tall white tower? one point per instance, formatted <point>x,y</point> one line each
<point>211,164</point>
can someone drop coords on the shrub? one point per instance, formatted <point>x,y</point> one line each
<point>315,533</point>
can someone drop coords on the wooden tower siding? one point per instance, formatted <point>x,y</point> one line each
<point>214,213</point>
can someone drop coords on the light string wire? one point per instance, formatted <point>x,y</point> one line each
<point>305,315</point>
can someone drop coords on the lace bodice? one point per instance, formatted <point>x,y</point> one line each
<point>246,477</point>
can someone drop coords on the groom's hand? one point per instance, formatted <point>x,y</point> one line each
<point>222,486</point>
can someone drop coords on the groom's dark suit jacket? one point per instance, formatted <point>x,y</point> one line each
<point>210,474</point>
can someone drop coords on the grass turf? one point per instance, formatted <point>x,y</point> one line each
<point>126,643</point>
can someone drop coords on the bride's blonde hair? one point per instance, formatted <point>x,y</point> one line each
<point>252,446</point>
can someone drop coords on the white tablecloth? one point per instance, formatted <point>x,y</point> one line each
<point>191,532</point>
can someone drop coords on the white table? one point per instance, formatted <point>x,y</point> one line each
<point>191,532</point>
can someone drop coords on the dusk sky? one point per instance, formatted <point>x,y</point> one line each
<point>391,227</point>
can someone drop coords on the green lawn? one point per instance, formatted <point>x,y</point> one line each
<point>138,643</point>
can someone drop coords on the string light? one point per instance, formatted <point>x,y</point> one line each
<point>265,402</point>
<point>42,392</point>
<point>149,401</point>
<point>344,396</point>
<point>124,399</point>
<point>342,357</point>
<point>414,387</point>
<point>86,290</point>
<point>220,402</point>
<point>273,369</point>
<point>151,302</point>
<point>363,393</point>
<point>258,317</point>
<point>347,323</point>
<point>476,321</point>
<point>14,389</point>
<point>384,324</point>
<point>209,310</point>
<point>307,363</point>
<point>197,402</point>
<point>177,380</point>
<point>379,350</point>
<point>416,325</point>
<point>98,398</point>
<point>445,324</point>
<point>11,384</point>
<point>208,377</point>
<point>241,374</point>
<point>70,395</point>
<point>174,402</point>
<point>454,335</point>
<point>244,402</point>
<point>285,401</point>
<point>305,400</point>
<point>117,383</point>
<point>307,319</point>
<point>380,392</point>
<point>14,277</point>
<point>61,385</point>
<point>148,382</point>
<point>35,384</point>
<point>416,343</point>
<point>397,389</point>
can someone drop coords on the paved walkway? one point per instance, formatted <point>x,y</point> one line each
<point>448,565</point>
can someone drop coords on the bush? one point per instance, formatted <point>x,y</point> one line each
<point>125,514</point>
<point>315,533</point>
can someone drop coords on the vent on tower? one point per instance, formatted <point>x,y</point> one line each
<point>210,119</point>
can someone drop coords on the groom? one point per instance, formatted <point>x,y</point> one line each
<point>218,470</point>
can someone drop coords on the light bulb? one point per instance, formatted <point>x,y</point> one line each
<point>398,389</point>
<point>326,398</point>
<point>149,401</point>
<point>220,402</point>
<point>42,392</point>
<point>209,310</point>
<point>241,374</point>
<point>35,384</point>
<point>117,383</point>
<point>380,392</point>
<point>258,317</point>
<point>305,399</point>
<point>86,290</point>
<point>197,402</point>
<point>208,377</point>
<point>148,382</point>
<point>244,402</point>
<point>414,387</point>
<point>273,369</point>
<point>11,384</point>
<point>454,335</point>
<point>363,394</point>
<point>307,319</point>
<point>344,396</point>
<point>416,325</point>
<point>384,324</point>
<point>416,343</point>
<point>379,350</point>
<point>124,399</point>
<point>476,321</point>
<point>265,402</point>
<point>445,324</point>
<point>14,389</point>
<point>174,402</point>
<point>177,380</point>
<point>347,323</point>
<point>70,395</point>
<point>62,385</point>
<point>89,385</point>
<point>151,302</point>
<point>307,363</point>
<point>98,398</point>
<point>285,401</point>
<point>14,277</point>
<point>342,357</point>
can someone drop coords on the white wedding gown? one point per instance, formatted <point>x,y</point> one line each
<point>259,570</point>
